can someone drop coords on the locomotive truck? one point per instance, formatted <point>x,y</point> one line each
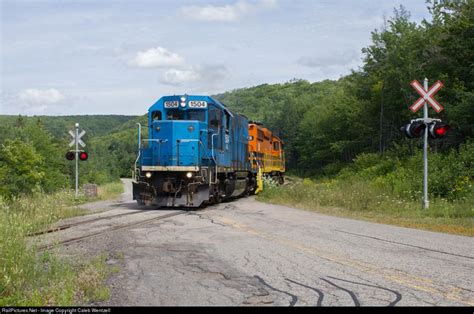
<point>199,152</point>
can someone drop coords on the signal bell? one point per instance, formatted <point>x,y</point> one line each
<point>438,129</point>
<point>414,129</point>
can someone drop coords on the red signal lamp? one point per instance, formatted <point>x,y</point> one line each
<point>83,156</point>
<point>70,155</point>
<point>414,129</point>
<point>438,130</point>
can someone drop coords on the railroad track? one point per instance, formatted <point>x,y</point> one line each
<point>114,228</point>
<point>82,222</point>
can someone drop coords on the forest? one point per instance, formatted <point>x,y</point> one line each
<point>330,128</point>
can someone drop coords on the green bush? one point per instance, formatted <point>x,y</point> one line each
<point>21,169</point>
<point>450,174</point>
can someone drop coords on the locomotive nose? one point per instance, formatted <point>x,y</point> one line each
<point>177,143</point>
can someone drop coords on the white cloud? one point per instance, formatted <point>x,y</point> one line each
<point>33,101</point>
<point>206,75</point>
<point>156,57</point>
<point>226,13</point>
<point>40,96</point>
<point>178,77</point>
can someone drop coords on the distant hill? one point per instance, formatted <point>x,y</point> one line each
<point>58,126</point>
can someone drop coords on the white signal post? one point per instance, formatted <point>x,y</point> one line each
<point>76,140</point>
<point>426,202</point>
<point>425,99</point>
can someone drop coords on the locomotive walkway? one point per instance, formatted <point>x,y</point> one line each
<point>250,253</point>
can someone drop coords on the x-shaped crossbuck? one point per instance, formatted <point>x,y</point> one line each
<point>426,95</point>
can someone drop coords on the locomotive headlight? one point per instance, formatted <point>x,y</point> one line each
<point>157,129</point>
<point>148,175</point>
<point>189,175</point>
<point>190,128</point>
<point>250,138</point>
<point>183,104</point>
<point>183,99</point>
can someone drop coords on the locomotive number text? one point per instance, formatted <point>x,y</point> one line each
<point>171,104</point>
<point>197,104</point>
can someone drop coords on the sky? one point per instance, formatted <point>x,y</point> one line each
<point>68,57</point>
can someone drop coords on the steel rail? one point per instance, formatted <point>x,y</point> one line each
<point>114,228</point>
<point>82,222</point>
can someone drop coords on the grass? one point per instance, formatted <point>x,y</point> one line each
<point>359,199</point>
<point>32,278</point>
<point>110,190</point>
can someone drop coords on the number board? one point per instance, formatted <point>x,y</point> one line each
<point>198,104</point>
<point>171,104</point>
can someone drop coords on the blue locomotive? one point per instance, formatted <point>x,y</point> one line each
<point>196,153</point>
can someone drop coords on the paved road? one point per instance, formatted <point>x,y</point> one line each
<point>250,253</point>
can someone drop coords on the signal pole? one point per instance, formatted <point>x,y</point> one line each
<point>426,202</point>
<point>76,140</point>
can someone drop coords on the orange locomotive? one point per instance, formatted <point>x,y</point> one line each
<point>266,152</point>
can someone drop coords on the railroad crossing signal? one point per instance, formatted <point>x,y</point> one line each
<point>425,126</point>
<point>76,153</point>
<point>426,96</point>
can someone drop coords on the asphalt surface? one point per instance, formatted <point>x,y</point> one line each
<point>246,252</point>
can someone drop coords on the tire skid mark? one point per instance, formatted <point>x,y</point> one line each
<point>294,298</point>
<point>352,294</point>
<point>319,292</point>
<point>398,296</point>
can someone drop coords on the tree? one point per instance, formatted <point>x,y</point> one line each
<point>21,169</point>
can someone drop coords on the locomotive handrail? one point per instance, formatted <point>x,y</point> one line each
<point>139,151</point>
<point>159,140</point>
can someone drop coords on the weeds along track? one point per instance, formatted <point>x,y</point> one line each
<point>114,228</point>
<point>66,226</point>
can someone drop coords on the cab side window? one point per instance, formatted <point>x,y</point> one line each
<point>276,146</point>
<point>156,116</point>
<point>215,124</point>
<point>214,118</point>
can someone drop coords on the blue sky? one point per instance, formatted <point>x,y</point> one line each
<point>118,57</point>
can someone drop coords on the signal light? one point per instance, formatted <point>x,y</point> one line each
<point>414,129</point>
<point>438,130</point>
<point>83,156</point>
<point>70,155</point>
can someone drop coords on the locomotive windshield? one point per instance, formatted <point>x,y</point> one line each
<point>175,114</point>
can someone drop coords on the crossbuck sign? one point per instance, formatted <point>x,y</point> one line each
<point>426,96</point>
<point>79,141</point>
